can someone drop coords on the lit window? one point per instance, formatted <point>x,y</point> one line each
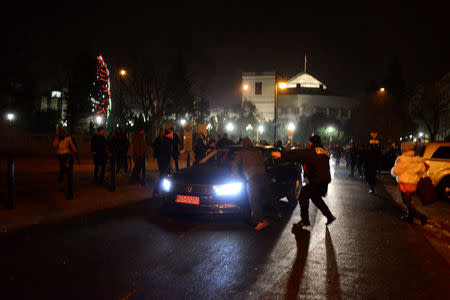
<point>56,94</point>
<point>258,88</point>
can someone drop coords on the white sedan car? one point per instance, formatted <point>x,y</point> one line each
<point>437,156</point>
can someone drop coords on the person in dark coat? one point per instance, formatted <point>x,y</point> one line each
<point>224,141</point>
<point>353,155</point>
<point>98,150</point>
<point>317,160</point>
<point>165,155</point>
<point>199,149</point>
<point>119,145</point>
<point>338,154</point>
<point>156,144</point>
<point>360,160</point>
<point>419,148</point>
<point>139,156</point>
<point>176,149</point>
<point>371,158</point>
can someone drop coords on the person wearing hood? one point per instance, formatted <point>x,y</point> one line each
<point>317,160</point>
<point>408,170</point>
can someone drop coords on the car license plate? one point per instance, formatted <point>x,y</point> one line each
<point>188,199</point>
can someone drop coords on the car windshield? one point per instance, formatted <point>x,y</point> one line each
<point>220,157</point>
<point>213,158</point>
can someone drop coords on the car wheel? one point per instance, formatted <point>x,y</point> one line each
<point>444,189</point>
<point>294,192</point>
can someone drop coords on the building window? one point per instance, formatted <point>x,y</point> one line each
<point>56,94</point>
<point>258,88</point>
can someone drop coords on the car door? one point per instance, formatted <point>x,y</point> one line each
<point>439,163</point>
<point>283,173</point>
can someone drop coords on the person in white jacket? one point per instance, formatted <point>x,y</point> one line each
<point>408,170</point>
<point>64,147</point>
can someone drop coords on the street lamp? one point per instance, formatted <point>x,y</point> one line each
<point>99,120</point>
<point>330,129</point>
<point>123,72</point>
<point>291,126</point>
<point>420,134</point>
<point>249,127</point>
<point>245,87</point>
<point>10,117</point>
<point>281,85</point>
<point>259,132</point>
<point>229,127</point>
<point>382,90</point>
<point>183,122</point>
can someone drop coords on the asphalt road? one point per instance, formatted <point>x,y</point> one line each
<point>134,252</point>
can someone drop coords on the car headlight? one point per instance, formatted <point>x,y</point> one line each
<point>228,189</point>
<point>166,185</point>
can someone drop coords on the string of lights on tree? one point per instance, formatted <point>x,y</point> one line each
<point>101,96</point>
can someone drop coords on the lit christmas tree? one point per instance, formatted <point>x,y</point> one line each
<point>101,95</point>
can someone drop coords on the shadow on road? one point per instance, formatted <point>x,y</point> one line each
<point>302,237</point>
<point>333,281</point>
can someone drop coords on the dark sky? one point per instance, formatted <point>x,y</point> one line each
<point>346,45</point>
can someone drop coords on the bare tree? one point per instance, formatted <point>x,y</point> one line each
<point>148,89</point>
<point>427,105</point>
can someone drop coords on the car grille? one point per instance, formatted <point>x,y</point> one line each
<point>195,189</point>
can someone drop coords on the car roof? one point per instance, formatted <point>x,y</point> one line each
<point>260,147</point>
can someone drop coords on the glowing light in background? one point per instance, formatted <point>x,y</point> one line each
<point>291,126</point>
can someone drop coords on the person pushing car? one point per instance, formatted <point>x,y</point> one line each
<point>250,163</point>
<point>317,160</point>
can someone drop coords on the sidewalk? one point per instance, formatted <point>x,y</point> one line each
<point>438,234</point>
<point>40,199</point>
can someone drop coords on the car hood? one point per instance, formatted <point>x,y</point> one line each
<point>203,175</point>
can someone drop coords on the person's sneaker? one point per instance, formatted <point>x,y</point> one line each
<point>331,220</point>
<point>261,225</point>
<point>302,224</point>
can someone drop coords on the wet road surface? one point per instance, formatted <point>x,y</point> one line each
<point>134,252</point>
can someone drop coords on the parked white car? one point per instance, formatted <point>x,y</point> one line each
<point>437,156</point>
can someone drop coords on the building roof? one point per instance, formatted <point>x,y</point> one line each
<point>305,80</point>
<point>258,74</point>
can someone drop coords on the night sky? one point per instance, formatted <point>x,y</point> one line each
<point>346,46</point>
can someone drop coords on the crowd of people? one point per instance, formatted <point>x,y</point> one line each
<point>364,162</point>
